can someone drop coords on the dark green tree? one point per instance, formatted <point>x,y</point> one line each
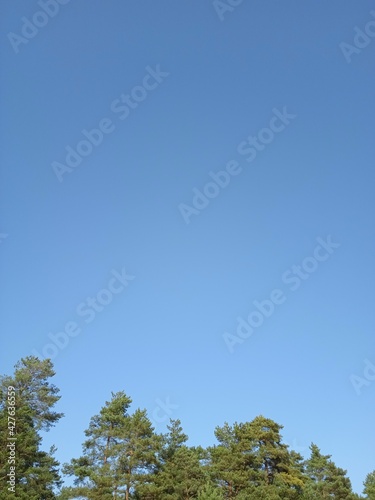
<point>139,450</point>
<point>33,397</point>
<point>325,479</point>
<point>173,440</point>
<point>96,472</point>
<point>118,455</point>
<point>369,486</point>
<point>179,474</point>
<point>228,466</point>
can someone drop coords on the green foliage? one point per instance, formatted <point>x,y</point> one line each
<point>181,476</point>
<point>118,455</point>
<point>173,440</point>
<point>325,480</point>
<point>251,455</point>
<point>33,389</point>
<point>210,492</point>
<point>124,459</point>
<point>369,486</point>
<point>36,471</point>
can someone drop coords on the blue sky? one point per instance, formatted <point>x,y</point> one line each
<point>160,337</point>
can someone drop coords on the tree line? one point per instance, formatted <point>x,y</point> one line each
<point>124,458</point>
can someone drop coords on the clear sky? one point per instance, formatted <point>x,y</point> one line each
<point>179,90</point>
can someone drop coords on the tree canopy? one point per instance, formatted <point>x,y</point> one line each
<point>123,457</point>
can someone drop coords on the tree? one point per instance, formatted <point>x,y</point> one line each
<point>325,479</point>
<point>96,471</point>
<point>179,474</point>
<point>173,440</point>
<point>28,397</point>
<point>228,466</point>
<point>274,464</point>
<point>139,448</point>
<point>251,457</point>
<point>118,455</point>
<point>369,485</point>
<point>210,492</point>
<point>182,476</point>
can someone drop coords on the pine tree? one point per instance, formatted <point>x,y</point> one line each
<point>139,448</point>
<point>251,458</point>
<point>179,474</point>
<point>369,486</point>
<point>173,440</point>
<point>118,455</point>
<point>325,479</point>
<point>37,472</point>
<point>228,466</point>
<point>275,465</point>
<point>210,492</point>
